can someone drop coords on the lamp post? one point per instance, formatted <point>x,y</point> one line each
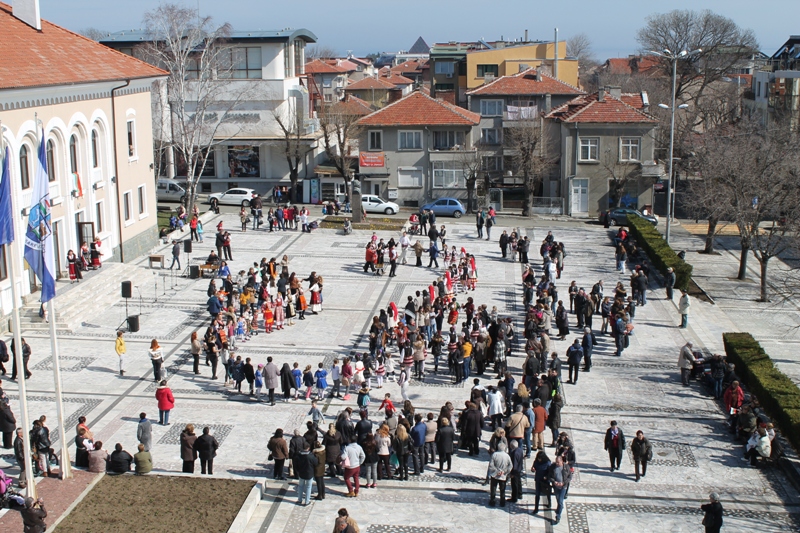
<point>672,58</point>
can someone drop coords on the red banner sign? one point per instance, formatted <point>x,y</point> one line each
<point>371,159</point>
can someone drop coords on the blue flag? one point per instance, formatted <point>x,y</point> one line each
<point>6,216</point>
<point>39,236</point>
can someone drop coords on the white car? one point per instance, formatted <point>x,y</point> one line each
<point>374,204</point>
<point>237,196</point>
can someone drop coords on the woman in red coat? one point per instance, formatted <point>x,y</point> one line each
<point>165,403</point>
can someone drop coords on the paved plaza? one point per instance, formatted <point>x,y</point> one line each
<point>694,454</point>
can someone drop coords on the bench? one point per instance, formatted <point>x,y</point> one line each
<point>156,259</point>
<point>208,268</point>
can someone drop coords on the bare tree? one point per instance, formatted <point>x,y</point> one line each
<point>724,45</point>
<point>530,157</point>
<point>93,33</point>
<point>200,94</point>
<point>295,143</point>
<point>319,51</point>
<point>471,162</point>
<point>619,173</point>
<point>340,132</point>
<point>580,47</point>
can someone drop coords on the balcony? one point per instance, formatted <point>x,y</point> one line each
<point>514,115</point>
<point>651,169</point>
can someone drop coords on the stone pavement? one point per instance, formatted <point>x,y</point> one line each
<point>640,390</point>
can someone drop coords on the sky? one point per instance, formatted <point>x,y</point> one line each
<point>370,26</point>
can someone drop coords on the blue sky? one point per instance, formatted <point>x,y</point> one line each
<point>370,26</point>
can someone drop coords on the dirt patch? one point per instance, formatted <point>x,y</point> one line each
<point>154,504</point>
<point>372,223</point>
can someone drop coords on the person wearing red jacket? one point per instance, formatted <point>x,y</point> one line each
<point>370,258</point>
<point>166,401</point>
<point>734,398</point>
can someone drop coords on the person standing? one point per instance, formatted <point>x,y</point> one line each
<point>642,452</point>
<point>430,439</point>
<point>614,444</point>
<point>279,451</point>
<point>504,243</point>
<point>686,362</point>
<point>405,243</point>
<point>157,359</point>
<point>305,464</point>
<point>271,379</point>
<point>188,453</point>
<point>489,224</point>
<point>574,358</point>
<point>683,308</point>
<point>499,468</point>
<point>176,254</point>
<point>8,424</point>
<point>119,347</point>
<point>445,439</point>
<point>517,464</point>
<point>319,471</point>
<point>392,261</point>
<point>206,447</point>
<point>166,402</point>
<point>418,438</point>
<point>712,520</point>
<point>479,222</point>
<point>352,457</point>
<point>144,431</point>
<point>540,422</point>
<point>669,282</point>
<point>26,355</point>
<point>560,476</point>
<point>19,455</point>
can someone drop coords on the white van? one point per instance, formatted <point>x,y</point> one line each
<point>169,190</point>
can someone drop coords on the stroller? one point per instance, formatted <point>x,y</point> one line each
<point>9,498</point>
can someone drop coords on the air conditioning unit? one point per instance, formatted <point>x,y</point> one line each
<point>449,75</point>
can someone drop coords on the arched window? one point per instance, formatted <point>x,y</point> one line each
<point>95,153</point>
<point>24,168</point>
<point>51,161</point>
<point>73,154</point>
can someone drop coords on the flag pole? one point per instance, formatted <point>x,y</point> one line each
<point>66,468</point>
<point>22,387</point>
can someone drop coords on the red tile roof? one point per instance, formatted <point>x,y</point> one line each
<point>524,83</point>
<point>346,64</point>
<point>588,109</point>
<point>395,79</point>
<point>631,65</point>
<point>418,109</point>
<point>370,83</point>
<point>633,99</point>
<point>318,66</point>
<point>413,66</point>
<point>354,106</point>
<point>56,56</point>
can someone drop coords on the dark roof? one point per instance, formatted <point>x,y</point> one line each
<point>140,35</point>
<point>57,56</point>
<point>419,47</point>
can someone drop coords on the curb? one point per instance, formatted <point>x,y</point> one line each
<point>78,500</point>
<point>248,509</point>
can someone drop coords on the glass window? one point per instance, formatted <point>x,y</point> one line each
<point>376,140</point>
<point>491,108</point>
<point>3,263</point>
<point>409,140</point>
<point>445,67</point>
<point>73,154</point>
<point>287,61</point>
<point>131,138</point>
<point>492,163</point>
<point>142,200</point>
<point>490,136</point>
<point>126,206</point>
<point>629,149</point>
<point>244,161</point>
<point>51,161</point>
<point>245,63</point>
<point>193,69</point>
<point>445,86</point>
<point>448,175</point>
<point>445,140</point>
<point>182,169</point>
<point>299,57</point>
<point>483,70</point>
<point>95,158</point>
<point>590,149</point>
<point>409,177</point>
<point>98,210</point>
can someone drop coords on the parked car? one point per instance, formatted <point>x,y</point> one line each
<point>375,204</point>
<point>451,207</point>
<point>619,216</point>
<point>169,190</point>
<point>238,196</point>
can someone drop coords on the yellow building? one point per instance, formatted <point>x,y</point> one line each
<point>459,67</point>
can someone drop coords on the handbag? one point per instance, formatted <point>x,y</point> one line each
<point>394,461</point>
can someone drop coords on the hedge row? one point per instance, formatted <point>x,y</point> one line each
<point>660,253</point>
<point>778,394</point>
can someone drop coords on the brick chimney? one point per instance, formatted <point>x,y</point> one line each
<point>548,103</point>
<point>28,12</point>
<point>601,94</point>
<point>394,95</point>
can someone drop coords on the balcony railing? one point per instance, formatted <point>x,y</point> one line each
<point>521,113</point>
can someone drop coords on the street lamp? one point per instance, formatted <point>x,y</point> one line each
<point>672,58</point>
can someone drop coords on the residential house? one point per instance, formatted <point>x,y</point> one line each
<point>415,149</point>
<point>511,101</point>
<point>776,86</point>
<point>249,150</point>
<point>93,106</point>
<point>603,137</point>
<point>357,67</point>
<point>417,70</point>
<point>460,67</point>
<point>381,90</point>
<point>326,81</point>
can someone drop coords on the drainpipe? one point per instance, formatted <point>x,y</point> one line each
<point>577,148</point>
<point>116,168</point>
<point>428,165</point>
<point>555,57</point>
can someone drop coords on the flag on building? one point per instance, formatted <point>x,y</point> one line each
<point>7,220</point>
<point>38,238</point>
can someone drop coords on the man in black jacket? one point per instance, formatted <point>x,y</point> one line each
<point>19,455</point>
<point>206,447</point>
<point>26,355</point>
<point>517,464</point>
<point>614,445</point>
<point>669,282</point>
<point>120,461</point>
<point>713,514</point>
<point>304,464</point>
<point>33,516</point>
<point>3,356</point>
<point>295,447</point>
